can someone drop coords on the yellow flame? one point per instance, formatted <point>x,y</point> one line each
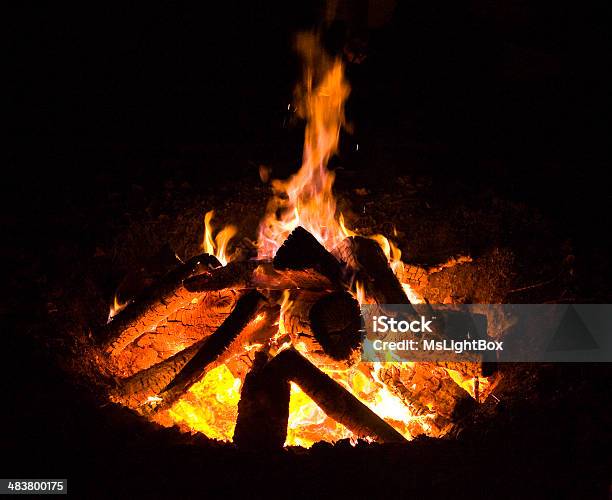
<point>306,198</point>
<point>485,385</point>
<point>218,245</point>
<point>116,307</point>
<point>211,405</point>
<point>309,424</point>
<point>345,231</point>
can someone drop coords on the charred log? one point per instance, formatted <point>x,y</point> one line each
<point>427,389</point>
<point>258,274</point>
<point>334,399</point>
<point>136,390</point>
<point>328,325</point>
<point>263,410</point>
<point>369,265</point>
<point>153,306</point>
<point>301,250</point>
<point>212,348</point>
<point>145,385</point>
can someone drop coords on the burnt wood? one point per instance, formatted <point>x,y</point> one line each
<point>334,399</point>
<point>328,324</point>
<point>301,250</point>
<point>369,265</point>
<point>258,274</point>
<point>137,389</point>
<point>211,349</point>
<point>263,410</point>
<point>155,304</point>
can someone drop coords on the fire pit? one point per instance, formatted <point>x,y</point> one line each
<point>262,346</point>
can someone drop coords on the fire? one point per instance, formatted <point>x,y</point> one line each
<point>306,198</point>
<point>116,308</point>
<point>211,405</point>
<point>309,424</point>
<point>477,387</point>
<point>218,245</point>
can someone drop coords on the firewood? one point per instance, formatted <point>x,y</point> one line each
<point>263,410</point>
<point>211,349</point>
<point>301,250</point>
<point>145,385</point>
<point>334,399</point>
<point>176,332</point>
<point>370,267</point>
<point>155,304</point>
<point>427,389</point>
<point>258,274</point>
<point>327,325</point>
<point>137,389</point>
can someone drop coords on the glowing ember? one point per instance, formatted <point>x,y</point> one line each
<point>309,424</point>
<point>211,405</point>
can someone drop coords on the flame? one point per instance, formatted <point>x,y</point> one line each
<point>345,231</point>
<point>477,387</point>
<point>218,245</point>
<point>116,308</point>
<point>211,405</point>
<point>309,424</point>
<point>306,198</point>
<point>360,293</point>
<point>286,304</point>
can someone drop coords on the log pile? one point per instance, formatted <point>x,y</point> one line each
<point>202,315</point>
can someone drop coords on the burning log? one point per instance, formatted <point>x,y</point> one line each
<point>370,267</point>
<point>328,325</point>
<point>156,304</point>
<point>427,389</point>
<point>136,390</point>
<point>301,250</point>
<point>334,399</point>
<point>263,410</point>
<point>258,274</point>
<point>145,385</point>
<point>247,307</point>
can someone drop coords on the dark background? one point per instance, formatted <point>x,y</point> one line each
<point>508,97</point>
<point>511,93</point>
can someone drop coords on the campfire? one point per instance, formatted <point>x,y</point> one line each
<point>265,350</point>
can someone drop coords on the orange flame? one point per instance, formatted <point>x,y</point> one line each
<point>306,198</point>
<point>218,245</point>
<point>116,308</point>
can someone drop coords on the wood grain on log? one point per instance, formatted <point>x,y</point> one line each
<point>327,325</point>
<point>212,348</point>
<point>180,330</point>
<point>426,388</point>
<point>137,389</point>
<point>156,304</point>
<point>370,266</point>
